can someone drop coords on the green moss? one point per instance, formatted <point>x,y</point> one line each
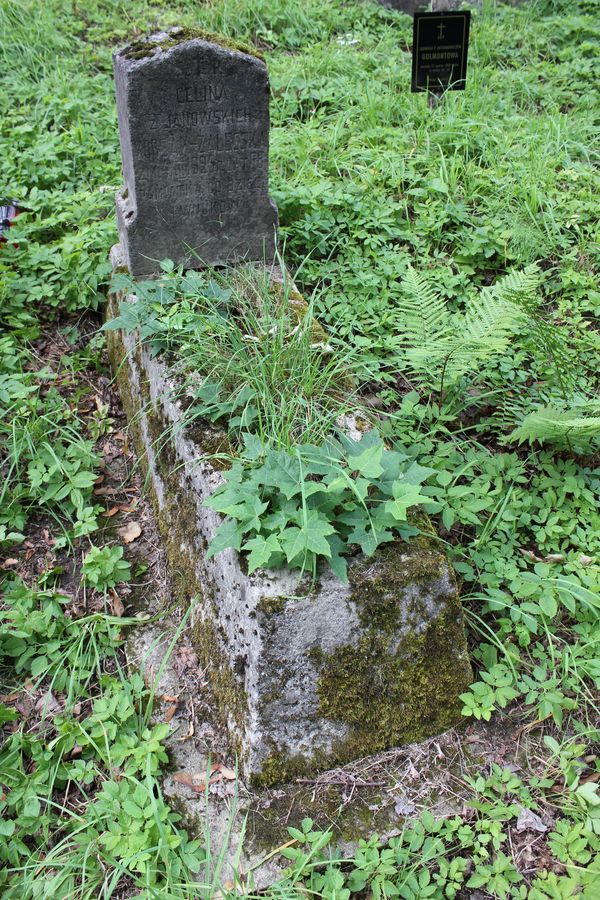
<point>280,768</point>
<point>270,606</point>
<point>392,695</point>
<point>230,696</point>
<point>212,441</point>
<point>382,585</point>
<point>387,691</point>
<point>144,48</point>
<point>177,520</point>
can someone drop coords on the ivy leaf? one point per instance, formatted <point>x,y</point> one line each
<point>337,562</point>
<point>253,446</point>
<point>227,535</point>
<point>368,463</point>
<point>293,542</point>
<point>391,461</point>
<point>310,538</point>
<point>366,538</point>
<point>129,318</point>
<point>261,550</point>
<point>225,497</point>
<point>275,521</point>
<point>120,282</point>
<point>283,472</point>
<point>314,487</point>
<point>337,485</point>
<point>405,496</point>
<point>317,529</point>
<point>416,474</point>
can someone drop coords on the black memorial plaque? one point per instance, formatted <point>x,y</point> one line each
<point>440,46</point>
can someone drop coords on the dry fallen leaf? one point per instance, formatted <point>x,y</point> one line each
<point>225,772</point>
<point>8,698</point>
<point>117,606</point>
<point>170,712</point>
<point>585,560</point>
<point>130,532</point>
<point>184,778</point>
<point>111,512</point>
<point>168,698</point>
<point>48,703</point>
<point>554,557</point>
<point>530,821</point>
<point>190,733</point>
<point>9,562</point>
<point>197,781</point>
<point>593,778</point>
<point>529,554</point>
<point>404,807</point>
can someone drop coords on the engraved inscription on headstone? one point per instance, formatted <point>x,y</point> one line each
<point>194,130</point>
<point>440,47</point>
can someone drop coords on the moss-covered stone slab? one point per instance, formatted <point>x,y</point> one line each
<point>304,676</point>
<point>380,794</point>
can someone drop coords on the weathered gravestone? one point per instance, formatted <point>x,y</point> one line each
<point>304,676</point>
<point>194,129</point>
<point>412,6</point>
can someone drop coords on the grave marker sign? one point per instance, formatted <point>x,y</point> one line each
<point>440,48</point>
<point>194,130</point>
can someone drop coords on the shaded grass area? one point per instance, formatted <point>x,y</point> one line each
<point>368,182</point>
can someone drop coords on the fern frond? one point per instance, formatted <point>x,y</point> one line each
<point>445,346</point>
<point>492,318</point>
<point>424,325</point>
<point>521,287</point>
<point>579,424</point>
<point>548,338</point>
<point>423,316</point>
<point>492,315</point>
<point>432,356</point>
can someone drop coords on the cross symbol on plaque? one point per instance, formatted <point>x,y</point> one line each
<point>441,29</point>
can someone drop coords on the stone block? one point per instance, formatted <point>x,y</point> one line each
<point>305,676</point>
<point>412,6</point>
<point>194,130</point>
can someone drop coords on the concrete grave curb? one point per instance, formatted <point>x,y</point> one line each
<point>305,677</point>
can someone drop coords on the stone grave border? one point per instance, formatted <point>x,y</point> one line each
<point>271,645</point>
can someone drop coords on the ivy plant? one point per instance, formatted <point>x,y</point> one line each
<point>315,503</point>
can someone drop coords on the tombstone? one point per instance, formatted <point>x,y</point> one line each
<point>303,676</point>
<point>412,6</point>
<point>408,6</point>
<point>194,130</point>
